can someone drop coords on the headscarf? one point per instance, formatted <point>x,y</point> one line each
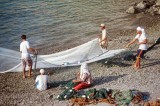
<point>143,32</point>
<point>84,69</point>
<point>141,29</point>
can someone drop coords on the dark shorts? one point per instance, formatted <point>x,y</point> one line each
<point>27,61</point>
<point>142,54</point>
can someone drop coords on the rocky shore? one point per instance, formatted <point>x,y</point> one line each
<point>145,6</point>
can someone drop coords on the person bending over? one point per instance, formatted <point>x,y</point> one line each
<point>84,78</point>
<point>142,41</point>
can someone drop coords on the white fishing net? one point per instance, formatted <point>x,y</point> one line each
<point>88,52</point>
<point>9,60</point>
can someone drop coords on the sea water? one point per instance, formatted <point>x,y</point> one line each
<point>52,22</point>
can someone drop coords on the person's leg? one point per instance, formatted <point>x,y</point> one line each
<point>142,55</point>
<point>23,68</point>
<point>138,60</point>
<point>138,51</point>
<point>100,43</point>
<point>30,71</point>
<point>105,47</point>
<point>82,85</point>
<point>30,67</point>
<point>137,64</point>
<point>104,44</point>
<point>24,73</point>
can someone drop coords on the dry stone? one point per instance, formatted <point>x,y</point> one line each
<point>158,3</point>
<point>146,6</point>
<point>141,5</point>
<point>131,10</point>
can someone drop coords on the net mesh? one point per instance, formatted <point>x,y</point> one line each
<point>88,52</point>
<point>9,60</point>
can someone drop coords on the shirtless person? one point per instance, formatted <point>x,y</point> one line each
<point>103,37</point>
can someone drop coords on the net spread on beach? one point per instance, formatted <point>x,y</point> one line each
<point>89,52</point>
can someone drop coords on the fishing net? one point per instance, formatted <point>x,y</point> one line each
<point>9,60</point>
<point>88,52</point>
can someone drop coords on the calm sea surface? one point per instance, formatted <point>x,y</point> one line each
<point>48,22</point>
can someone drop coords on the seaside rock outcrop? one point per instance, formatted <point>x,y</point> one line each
<point>146,6</point>
<point>156,10</point>
<point>158,3</point>
<point>141,6</point>
<point>131,10</point>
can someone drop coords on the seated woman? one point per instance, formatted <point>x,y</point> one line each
<point>41,80</point>
<point>84,78</point>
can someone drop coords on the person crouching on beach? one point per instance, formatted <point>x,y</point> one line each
<point>84,78</point>
<point>103,37</point>
<point>25,50</point>
<point>142,41</point>
<point>42,81</point>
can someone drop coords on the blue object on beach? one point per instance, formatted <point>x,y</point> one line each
<point>37,83</point>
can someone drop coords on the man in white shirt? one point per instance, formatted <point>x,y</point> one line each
<point>103,37</point>
<point>41,80</point>
<point>25,50</point>
<point>142,41</point>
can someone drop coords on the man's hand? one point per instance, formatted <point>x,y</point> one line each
<point>74,80</point>
<point>127,46</point>
<point>35,51</point>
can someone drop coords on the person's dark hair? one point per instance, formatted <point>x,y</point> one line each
<point>23,36</point>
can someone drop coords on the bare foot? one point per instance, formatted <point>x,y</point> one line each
<point>29,75</point>
<point>134,65</point>
<point>137,68</point>
<point>24,77</point>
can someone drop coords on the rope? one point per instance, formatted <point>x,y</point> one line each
<point>130,50</point>
<point>35,61</point>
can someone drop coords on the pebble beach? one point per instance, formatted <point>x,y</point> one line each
<point>113,73</point>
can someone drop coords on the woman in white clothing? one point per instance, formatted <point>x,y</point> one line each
<point>142,41</point>
<point>83,78</point>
